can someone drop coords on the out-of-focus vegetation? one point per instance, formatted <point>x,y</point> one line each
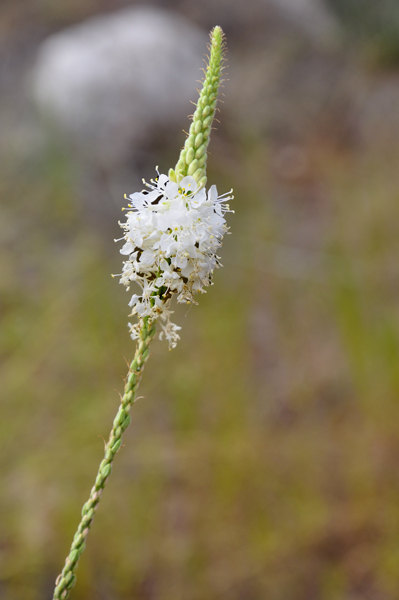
<point>263,459</point>
<point>374,24</point>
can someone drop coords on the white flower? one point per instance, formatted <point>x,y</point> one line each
<point>170,332</point>
<point>171,233</point>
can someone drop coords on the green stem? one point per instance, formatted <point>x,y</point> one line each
<point>66,580</point>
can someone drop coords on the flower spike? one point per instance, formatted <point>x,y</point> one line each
<point>175,227</point>
<point>172,233</point>
<point>192,160</point>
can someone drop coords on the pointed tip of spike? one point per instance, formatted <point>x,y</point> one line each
<point>218,38</point>
<point>217,32</point>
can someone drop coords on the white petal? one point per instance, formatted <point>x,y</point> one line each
<point>189,184</point>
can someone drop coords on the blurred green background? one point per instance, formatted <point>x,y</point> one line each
<point>263,459</point>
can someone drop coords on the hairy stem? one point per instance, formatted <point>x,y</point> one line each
<point>66,580</point>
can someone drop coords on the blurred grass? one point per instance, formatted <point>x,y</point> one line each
<point>373,25</point>
<point>262,462</point>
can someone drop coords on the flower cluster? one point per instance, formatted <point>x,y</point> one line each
<point>172,233</point>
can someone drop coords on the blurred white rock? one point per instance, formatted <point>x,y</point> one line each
<point>111,80</point>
